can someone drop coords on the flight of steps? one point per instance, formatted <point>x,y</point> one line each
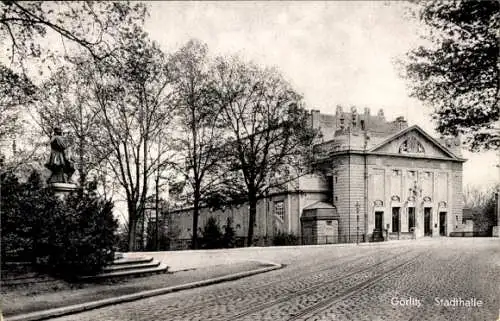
<point>129,267</point>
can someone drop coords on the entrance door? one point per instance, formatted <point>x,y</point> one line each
<point>427,221</point>
<point>379,221</point>
<point>442,223</point>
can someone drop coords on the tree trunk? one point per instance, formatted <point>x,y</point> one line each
<point>252,200</point>
<point>157,208</point>
<point>132,227</point>
<point>196,213</point>
<point>143,230</point>
<point>81,155</point>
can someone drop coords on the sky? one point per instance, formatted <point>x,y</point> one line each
<point>331,52</point>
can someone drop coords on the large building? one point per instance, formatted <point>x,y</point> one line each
<point>377,180</point>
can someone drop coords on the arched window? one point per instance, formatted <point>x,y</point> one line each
<point>279,209</point>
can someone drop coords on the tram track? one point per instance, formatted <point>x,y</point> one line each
<point>316,287</point>
<point>337,275</point>
<point>320,306</point>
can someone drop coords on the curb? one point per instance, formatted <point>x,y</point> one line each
<point>57,312</point>
<point>333,245</point>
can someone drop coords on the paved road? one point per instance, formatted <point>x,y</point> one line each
<point>410,281</point>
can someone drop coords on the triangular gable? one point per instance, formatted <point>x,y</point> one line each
<point>413,141</point>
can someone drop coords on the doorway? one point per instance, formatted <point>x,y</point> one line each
<point>427,221</point>
<point>442,223</point>
<point>379,223</point>
<point>395,220</point>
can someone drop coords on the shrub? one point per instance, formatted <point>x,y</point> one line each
<point>86,236</point>
<point>70,238</point>
<point>14,245</point>
<point>212,235</point>
<point>229,237</point>
<point>282,238</point>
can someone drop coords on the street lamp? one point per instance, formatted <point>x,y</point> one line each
<point>357,222</point>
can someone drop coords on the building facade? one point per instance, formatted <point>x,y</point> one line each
<point>377,180</point>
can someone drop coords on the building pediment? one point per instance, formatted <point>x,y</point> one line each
<point>414,141</point>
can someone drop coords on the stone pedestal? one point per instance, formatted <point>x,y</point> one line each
<point>61,190</point>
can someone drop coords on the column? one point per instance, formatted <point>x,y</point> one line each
<point>387,199</point>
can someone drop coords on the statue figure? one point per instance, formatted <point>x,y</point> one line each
<point>59,163</point>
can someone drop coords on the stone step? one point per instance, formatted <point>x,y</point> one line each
<point>162,268</point>
<point>133,260</point>
<point>122,267</point>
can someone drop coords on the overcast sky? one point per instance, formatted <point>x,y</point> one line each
<point>332,52</point>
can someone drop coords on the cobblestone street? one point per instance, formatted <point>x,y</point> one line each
<point>387,282</point>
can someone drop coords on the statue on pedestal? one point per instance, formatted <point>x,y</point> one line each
<point>61,166</point>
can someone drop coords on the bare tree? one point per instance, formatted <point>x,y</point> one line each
<point>65,101</point>
<point>199,134</point>
<point>90,25</point>
<point>477,197</point>
<point>15,91</point>
<point>266,122</point>
<point>134,108</point>
<point>25,26</point>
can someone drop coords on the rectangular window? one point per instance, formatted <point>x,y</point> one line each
<point>330,188</point>
<point>396,172</point>
<point>362,123</point>
<point>328,222</point>
<point>411,218</point>
<point>395,219</point>
<point>279,209</point>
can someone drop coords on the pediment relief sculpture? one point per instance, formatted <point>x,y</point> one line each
<point>411,145</point>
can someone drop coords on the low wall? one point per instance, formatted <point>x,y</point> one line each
<point>470,234</point>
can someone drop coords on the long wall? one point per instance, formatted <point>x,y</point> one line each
<point>304,192</point>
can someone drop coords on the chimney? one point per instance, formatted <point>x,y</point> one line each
<point>380,114</point>
<point>401,123</point>
<point>338,110</point>
<point>354,116</point>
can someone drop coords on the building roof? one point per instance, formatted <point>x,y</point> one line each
<point>319,205</point>
<point>319,211</point>
<point>421,131</point>
<point>415,141</point>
